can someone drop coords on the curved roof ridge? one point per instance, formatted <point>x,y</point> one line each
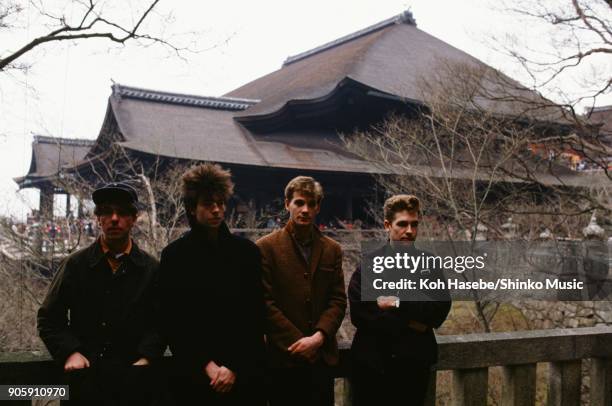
<point>79,142</point>
<point>404,18</point>
<point>222,103</point>
<point>600,108</point>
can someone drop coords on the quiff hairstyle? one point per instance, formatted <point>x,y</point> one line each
<point>397,203</point>
<point>306,186</point>
<point>206,181</point>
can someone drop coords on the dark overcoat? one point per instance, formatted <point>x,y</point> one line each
<point>388,333</point>
<point>211,304</point>
<point>112,315</point>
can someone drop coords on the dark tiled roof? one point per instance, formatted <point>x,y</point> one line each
<point>201,134</point>
<point>601,108</point>
<point>393,57</point>
<point>404,18</point>
<point>221,103</point>
<point>388,58</point>
<point>208,134</point>
<point>309,78</point>
<point>602,115</point>
<point>50,154</point>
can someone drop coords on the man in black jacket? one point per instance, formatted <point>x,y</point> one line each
<point>109,338</point>
<point>394,345</point>
<point>212,300</point>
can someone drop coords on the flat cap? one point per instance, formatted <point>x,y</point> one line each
<point>115,191</point>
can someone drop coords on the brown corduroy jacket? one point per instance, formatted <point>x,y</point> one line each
<point>301,297</point>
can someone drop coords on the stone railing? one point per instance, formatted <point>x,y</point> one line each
<point>468,357</point>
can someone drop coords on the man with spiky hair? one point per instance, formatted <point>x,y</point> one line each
<point>305,301</point>
<point>211,299</point>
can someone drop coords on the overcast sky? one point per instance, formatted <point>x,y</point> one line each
<point>71,82</point>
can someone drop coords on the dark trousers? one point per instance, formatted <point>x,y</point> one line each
<point>302,386</point>
<point>111,383</point>
<point>196,390</point>
<point>400,382</point>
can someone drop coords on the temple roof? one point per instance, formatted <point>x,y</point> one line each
<point>393,57</point>
<point>602,116</point>
<point>221,103</point>
<point>383,63</point>
<point>51,154</point>
<point>207,131</point>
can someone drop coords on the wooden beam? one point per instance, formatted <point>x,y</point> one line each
<point>470,387</point>
<point>519,385</point>
<point>493,349</point>
<point>564,383</point>
<point>601,382</point>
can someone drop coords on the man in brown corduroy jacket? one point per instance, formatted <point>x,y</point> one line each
<point>305,301</point>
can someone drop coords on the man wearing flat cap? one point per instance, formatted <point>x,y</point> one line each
<point>97,319</point>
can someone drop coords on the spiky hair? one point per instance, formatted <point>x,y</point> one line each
<point>208,181</point>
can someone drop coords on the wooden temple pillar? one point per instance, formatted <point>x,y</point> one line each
<point>348,210</point>
<point>45,206</point>
<point>68,208</point>
<point>80,211</point>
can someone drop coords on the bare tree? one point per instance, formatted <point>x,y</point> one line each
<point>580,35</point>
<point>30,254</point>
<point>570,63</point>
<point>468,155</point>
<point>24,278</point>
<point>78,20</point>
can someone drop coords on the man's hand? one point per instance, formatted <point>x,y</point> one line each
<point>211,369</point>
<point>76,360</point>
<point>386,302</point>
<point>141,362</point>
<point>224,381</point>
<point>308,347</point>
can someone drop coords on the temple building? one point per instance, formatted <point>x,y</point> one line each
<point>284,124</point>
<point>50,156</point>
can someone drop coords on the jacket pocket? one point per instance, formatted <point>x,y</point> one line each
<point>327,269</point>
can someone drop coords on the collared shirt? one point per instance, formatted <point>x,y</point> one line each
<point>305,247</point>
<point>115,260</point>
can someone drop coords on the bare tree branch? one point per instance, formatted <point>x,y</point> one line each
<point>92,24</point>
<point>468,156</point>
<point>580,31</point>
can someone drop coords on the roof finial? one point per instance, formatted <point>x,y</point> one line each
<point>406,18</point>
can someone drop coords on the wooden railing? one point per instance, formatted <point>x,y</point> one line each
<point>468,357</point>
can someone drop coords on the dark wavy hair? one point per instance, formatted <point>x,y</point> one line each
<point>208,181</point>
<point>397,203</point>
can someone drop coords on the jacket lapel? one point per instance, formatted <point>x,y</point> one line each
<point>317,249</point>
<point>289,244</point>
